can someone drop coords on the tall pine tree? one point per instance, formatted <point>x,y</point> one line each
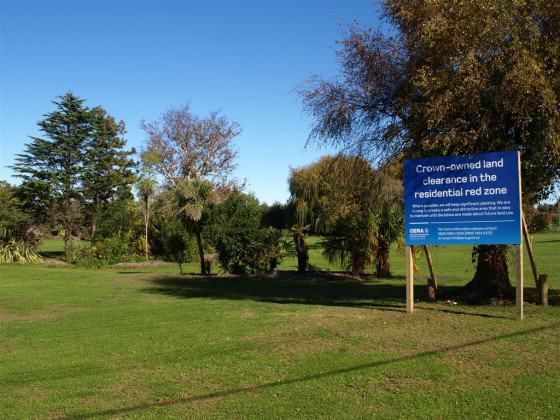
<point>79,161</point>
<point>108,171</point>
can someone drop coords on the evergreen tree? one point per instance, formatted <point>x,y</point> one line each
<point>78,162</point>
<point>108,169</point>
<point>51,167</point>
<point>12,218</point>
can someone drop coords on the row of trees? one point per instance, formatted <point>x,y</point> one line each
<point>78,180</point>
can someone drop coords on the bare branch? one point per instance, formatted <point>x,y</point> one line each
<point>183,146</point>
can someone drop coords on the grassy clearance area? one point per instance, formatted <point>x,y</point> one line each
<point>147,343</point>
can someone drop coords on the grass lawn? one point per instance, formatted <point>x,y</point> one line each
<point>149,343</point>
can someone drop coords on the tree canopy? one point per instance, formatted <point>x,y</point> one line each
<point>453,77</point>
<point>181,145</point>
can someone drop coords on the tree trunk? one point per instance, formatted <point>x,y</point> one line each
<point>93,229</point>
<point>302,253</point>
<point>94,218</point>
<point>198,235</point>
<point>273,264</point>
<point>358,267</point>
<point>491,280</point>
<point>146,223</point>
<point>302,259</point>
<point>382,264</point>
<point>67,245</point>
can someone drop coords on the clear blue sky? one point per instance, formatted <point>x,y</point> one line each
<point>139,58</point>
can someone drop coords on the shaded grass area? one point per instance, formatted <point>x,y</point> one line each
<point>454,265</point>
<point>108,343</point>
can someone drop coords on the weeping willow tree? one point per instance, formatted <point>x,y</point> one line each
<point>304,184</point>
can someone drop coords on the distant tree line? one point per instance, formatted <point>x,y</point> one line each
<point>79,179</point>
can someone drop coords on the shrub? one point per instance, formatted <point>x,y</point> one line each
<point>267,251</point>
<point>179,247</point>
<point>107,251</point>
<point>242,246</point>
<point>170,241</point>
<point>18,251</point>
<point>81,253</point>
<point>235,229</point>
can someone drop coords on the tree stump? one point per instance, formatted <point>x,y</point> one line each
<point>542,289</point>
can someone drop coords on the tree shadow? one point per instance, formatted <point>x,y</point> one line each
<point>314,289</point>
<point>132,272</point>
<point>315,376</point>
<point>56,255</point>
<point>548,241</point>
<point>325,289</point>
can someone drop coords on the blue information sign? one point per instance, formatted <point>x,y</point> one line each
<point>471,199</point>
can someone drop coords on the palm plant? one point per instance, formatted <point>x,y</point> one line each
<point>190,200</point>
<point>352,242</point>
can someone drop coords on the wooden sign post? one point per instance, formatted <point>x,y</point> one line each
<point>409,280</point>
<point>519,282</point>
<point>519,253</point>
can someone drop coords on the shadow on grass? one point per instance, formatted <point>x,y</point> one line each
<point>126,273</point>
<point>548,241</point>
<point>325,289</point>
<point>58,255</point>
<point>316,376</point>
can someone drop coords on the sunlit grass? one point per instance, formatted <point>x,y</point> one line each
<point>149,343</point>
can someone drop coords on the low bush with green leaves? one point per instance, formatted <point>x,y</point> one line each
<point>241,244</point>
<point>236,226</point>
<point>267,250</point>
<point>179,247</point>
<point>107,251</point>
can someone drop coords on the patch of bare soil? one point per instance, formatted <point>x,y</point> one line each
<point>54,262</point>
<point>6,315</point>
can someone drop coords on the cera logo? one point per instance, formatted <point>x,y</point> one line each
<point>418,231</point>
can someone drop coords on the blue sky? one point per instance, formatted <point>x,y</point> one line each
<point>139,58</point>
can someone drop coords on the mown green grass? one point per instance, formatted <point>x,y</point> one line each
<point>117,343</point>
